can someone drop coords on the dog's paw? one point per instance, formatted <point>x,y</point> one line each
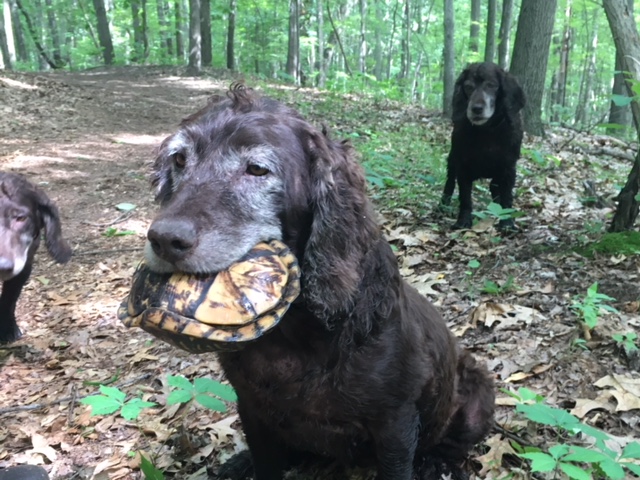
<point>238,467</point>
<point>9,331</point>
<point>507,227</point>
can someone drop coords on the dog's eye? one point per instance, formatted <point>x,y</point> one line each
<point>256,170</point>
<point>179,160</point>
<point>20,218</point>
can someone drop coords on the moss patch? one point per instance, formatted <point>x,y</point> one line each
<point>621,243</point>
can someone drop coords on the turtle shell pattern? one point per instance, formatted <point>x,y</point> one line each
<point>215,312</point>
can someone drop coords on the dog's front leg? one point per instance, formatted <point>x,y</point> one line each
<point>11,289</point>
<point>396,439</point>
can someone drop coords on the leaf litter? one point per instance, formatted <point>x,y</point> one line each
<point>91,152</point>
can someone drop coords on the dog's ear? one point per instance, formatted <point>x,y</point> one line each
<point>514,97</point>
<point>342,228</point>
<point>459,100</point>
<point>57,246</point>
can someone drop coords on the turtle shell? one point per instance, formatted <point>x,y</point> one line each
<point>215,312</point>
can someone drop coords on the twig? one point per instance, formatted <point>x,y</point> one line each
<point>73,398</point>
<point>115,250</point>
<point>120,219</point>
<point>503,431</point>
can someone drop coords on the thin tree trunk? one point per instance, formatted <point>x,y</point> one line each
<point>505,33</point>
<point>405,57</point>
<point>490,43</point>
<point>559,92</point>
<point>335,32</point>
<point>205,31</point>
<point>195,39</point>
<point>293,50</point>
<point>530,56</point>
<point>449,59</point>
<point>8,31</point>
<point>582,117</point>
<point>322,70</point>
<point>179,28</point>
<point>377,50</point>
<point>619,115</point>
<point>104,35</point>
<point>34,36</point>
<point>474,30</point>
<point>627,41</point>
<point>362,58</point>
<point>18,33</point>
<point>231,32</point>
<point>54,32</point>
<point>390,49</point>
<point>5,56</point>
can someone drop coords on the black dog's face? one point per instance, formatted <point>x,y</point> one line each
<point>19,226</point>
<point>222,183</point>
<point>481,89</point>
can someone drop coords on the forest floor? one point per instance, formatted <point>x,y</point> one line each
<point>88,139</point>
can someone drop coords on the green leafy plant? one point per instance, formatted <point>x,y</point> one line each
<point>588,307</point>
<point>204,391</point>
<point>493,288</point>
<point>574,461</point>
<point>496,211</point>
<point>114,232</point>
<point>150,471</point>
<point>626,341</point>
<point>113,400</point>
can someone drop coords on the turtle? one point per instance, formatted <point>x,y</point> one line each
<point>217,312</point>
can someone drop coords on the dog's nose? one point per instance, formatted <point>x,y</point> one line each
<point>172,239</point>
<point>477,108</point>
<point>6,265</point>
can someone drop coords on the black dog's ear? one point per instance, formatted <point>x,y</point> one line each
<point>342,228</point>
<point>57,246</point>
<point>514,97</point>
<point>460,100</point>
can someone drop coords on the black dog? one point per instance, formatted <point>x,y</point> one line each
<point>361,369</point>
<point>486,138</point>
<point>24,211</point>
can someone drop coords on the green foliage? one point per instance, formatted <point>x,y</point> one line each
<point>496,211</point>
<point>626,341</point>
<point>574,461</point>
<point>204,391</point>
<point>588,307</point>
<point>493,288</point>
<point>618,243</point>
<point>150,471</point>
<point>113,400</point>
<point>114,232</point>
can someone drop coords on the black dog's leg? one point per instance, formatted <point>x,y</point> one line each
<point>269,456</point>
<point>466,204</point>
<point>450,184</point>
<point>396,440</point>
<point>502,193</point>
<point>9,331</point>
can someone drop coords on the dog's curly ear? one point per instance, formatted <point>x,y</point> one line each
<point>342,229</point>
<point>514,97</point>
<point>459,100</point>
<point>57,246</point>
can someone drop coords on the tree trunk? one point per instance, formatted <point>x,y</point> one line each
<point>505,33</point>
<point>490,44</point>
<point>104,35</point>
<point>34,36</point>
<point>619,115</point>
<point>231,33</point>
<point>559,88</point>
<point>178,27</point>
<point>163,23</point>
<point>195,39</point>
<point>362,58</point>
<point>530,55</point>
<point>8,31</point>
<point>582,116</point>
<point>377,50</point>
<point>18,33</point>
<point>449,59</point>
<point>474,31</point>
<point>293,49</point>
<point>54,33</point>
<point>337,37</point>
<point>205,31</point>
<point>5,56</point>
<point>405,58</point>
<point>627,41</point>
<point>322,70</point>
<point>138,43</point>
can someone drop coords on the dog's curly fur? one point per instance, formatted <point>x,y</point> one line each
<point>362,369</point>
<point>486,137</point>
